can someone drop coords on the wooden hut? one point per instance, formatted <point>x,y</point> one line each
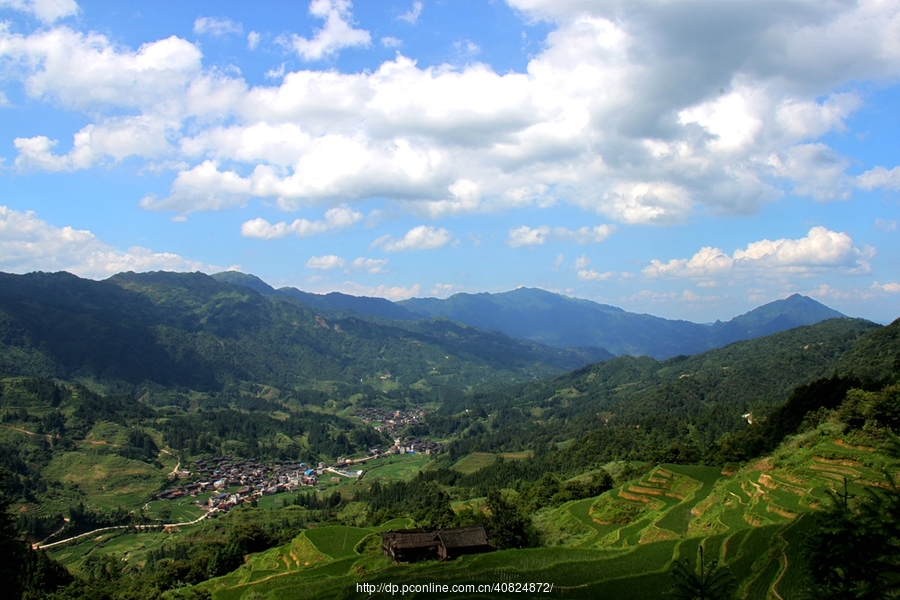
<point>462,540</point>
<point>412,545</point>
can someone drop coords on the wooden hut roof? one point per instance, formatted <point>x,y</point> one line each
<point>459,537</point>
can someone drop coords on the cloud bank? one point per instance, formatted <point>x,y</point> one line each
<point>822,250</point>
<point>637,116</point>
<point>28,243</point>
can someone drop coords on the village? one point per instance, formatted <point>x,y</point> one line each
<point>390,421</point>
<point>220,475</point>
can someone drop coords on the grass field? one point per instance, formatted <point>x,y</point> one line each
<point>477,460</point>
<point>400,466</point>
<point>108,480</point>
<point>182,510</point>
<point>131,546</point>
<point>679,517</point>
<point>276,501</point>
<point>473,462</point>
<point>337,541</point>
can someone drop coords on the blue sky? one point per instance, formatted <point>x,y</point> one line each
<point>689,159</point>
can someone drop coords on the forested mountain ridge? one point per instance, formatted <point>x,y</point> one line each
<point>190,330</point>
<point>333,302</point>
<point>660,404</point>
<point>561,321</point>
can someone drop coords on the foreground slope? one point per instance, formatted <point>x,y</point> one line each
<point>621,544</point>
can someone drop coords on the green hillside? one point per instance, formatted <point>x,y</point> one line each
<point>682,406</point>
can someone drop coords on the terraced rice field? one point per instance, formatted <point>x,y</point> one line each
<point>337,541</point>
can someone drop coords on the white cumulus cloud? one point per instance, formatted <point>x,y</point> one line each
<point>393,293</point>
<point>890,288</point>
<point>537,236</point>
<point>822,250</point>
<point>48,11</point>
<point>337,33</point>
<point>528,236</point>
<point>339,217</point>
<point>203,187</point>
<point>325,263</point>
<point>412,15</point>
<point>879,177</point>
<point>82,71</point>
<point>28,243</point>
<point>422,237</point>
<point>217,26</point>
<point>641,115</point>
<point>372,266</point>
<point>115,138</point>
<point>592,275</point>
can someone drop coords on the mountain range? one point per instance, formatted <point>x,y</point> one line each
<point>203,332</point>
<point>191,330</point>
<point>562,322</point>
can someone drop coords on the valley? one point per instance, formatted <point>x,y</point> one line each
<point>219,441</point>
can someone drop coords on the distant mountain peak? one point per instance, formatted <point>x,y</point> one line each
<point>793,302</point>
<point>245,280</point>
<point>779,315</point>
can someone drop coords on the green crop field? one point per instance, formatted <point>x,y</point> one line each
<point>516,455</point>
<point>620,544</point>
<point>477,460</point>
<point>394,524</point>
<point>678,518</point>
<point>748,520</point>
<point>473,462</point>
<point>276,501</point>
<point>182,510</point>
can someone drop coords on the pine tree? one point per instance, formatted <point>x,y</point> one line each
<point>709,581</point>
